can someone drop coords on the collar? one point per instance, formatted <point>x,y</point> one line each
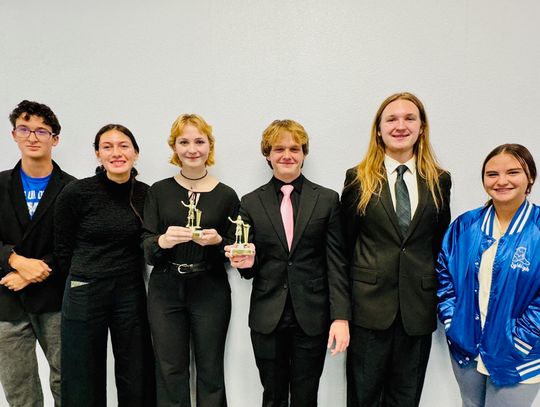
<point>296,183</point>
<point>516,225</point>
<point>391,165</point>
<point>18,168</point>
<point>114,186</point>
<point>36,179</point>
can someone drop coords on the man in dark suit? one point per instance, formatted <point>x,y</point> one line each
<point>31,287</point>
<point>300,297</point>
<point>393,235</point>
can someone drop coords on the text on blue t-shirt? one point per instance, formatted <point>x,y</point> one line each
<point>34,188</point>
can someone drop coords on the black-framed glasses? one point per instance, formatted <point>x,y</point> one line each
<point>23,132</point>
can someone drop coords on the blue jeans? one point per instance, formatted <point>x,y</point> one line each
<point>477,390</point>
<point>18,363</point>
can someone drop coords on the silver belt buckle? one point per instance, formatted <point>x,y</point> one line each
<point>184,266</point>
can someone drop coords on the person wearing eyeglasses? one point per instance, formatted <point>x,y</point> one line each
<point>31,285</point>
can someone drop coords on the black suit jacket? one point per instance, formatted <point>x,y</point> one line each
<point>315,269</point>
<point>30,238</point>
<point>390,271</point>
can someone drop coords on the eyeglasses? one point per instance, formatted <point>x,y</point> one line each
<point>23,132</point>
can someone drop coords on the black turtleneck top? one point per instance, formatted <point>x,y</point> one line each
<point>98,227</point>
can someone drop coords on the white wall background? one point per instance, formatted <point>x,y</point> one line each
<point>241,64</point>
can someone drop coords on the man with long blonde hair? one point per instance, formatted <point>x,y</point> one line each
<point>396,210</point>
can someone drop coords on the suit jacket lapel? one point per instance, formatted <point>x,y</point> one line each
<point>386,200</point>
<point>308,201</point>
<point>423,199</point>
<point>269,201</point>
<point>46,202</point>
<point>17,198</point>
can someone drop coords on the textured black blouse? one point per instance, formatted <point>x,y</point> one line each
<point>97,231</point>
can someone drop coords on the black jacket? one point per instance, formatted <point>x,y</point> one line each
<point>31,238</point>
<point>390,271</point>
<point>315,269</point>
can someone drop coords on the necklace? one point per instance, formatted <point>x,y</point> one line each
<point>194,179</point>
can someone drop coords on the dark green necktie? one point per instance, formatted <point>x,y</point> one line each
<point>403,203</point>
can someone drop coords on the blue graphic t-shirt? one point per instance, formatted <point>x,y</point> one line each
<point>34,188</point>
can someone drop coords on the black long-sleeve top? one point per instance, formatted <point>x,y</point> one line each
<point>98,227</point>
<point>164,208</point>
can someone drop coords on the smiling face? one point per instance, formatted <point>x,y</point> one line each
<point>192,148</point>
<point>286,157</point>
<point>505,180</point>
<point>31,147</point>
<point>399,127</point>
<point>117,155</point>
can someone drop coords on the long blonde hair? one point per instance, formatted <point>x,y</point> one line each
<point>371,173</point>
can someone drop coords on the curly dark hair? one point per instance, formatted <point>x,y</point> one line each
<point>27,108</point>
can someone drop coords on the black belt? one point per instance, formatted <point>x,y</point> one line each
<point>185,269</point>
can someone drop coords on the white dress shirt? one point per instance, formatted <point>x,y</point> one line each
<point>409,177</point>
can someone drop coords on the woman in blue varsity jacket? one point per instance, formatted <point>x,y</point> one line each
<point>489,283</point>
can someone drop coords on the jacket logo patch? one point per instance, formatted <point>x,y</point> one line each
<point>519,261</point>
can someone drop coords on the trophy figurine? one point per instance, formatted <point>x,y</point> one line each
<point>241,245</point>
<point>193,219</point>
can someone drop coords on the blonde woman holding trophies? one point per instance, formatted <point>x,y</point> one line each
<point>189,294</point>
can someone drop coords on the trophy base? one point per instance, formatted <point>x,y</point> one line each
<point>196,234</point>
<point>242,251</point>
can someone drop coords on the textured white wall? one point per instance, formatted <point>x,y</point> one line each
<point>243,63</point>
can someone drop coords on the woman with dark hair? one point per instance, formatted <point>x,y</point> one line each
<point>489,287</point>
<point>98,224</point>
<point>189,297</point>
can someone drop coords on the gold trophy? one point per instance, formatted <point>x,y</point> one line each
<point>194,219</point>
<point>241,245</point>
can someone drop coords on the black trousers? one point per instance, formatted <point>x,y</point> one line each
<point>386,367</point>
<point>199,309</point>
<point>91,308</point>
<point>289,361</point>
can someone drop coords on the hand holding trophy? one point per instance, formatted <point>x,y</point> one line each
<point>241,245</point>
<point>193,219</point>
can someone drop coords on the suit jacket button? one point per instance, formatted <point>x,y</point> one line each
<point>403,250</point>
<point>290,263</point>
<point>284,286</point>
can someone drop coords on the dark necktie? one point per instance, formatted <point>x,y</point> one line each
<point>403,203</point>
